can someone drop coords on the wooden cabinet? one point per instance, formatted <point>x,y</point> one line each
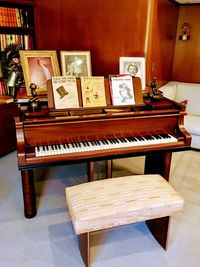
<point>16,27</point>
<point>7,129</point>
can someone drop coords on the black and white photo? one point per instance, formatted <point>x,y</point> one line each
<point>76,63</point>
<point>134,66</point>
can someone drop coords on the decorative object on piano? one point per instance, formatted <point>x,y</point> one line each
<point>135,66</point>
<point>33,103</point>
<point>185,32</point>
<point>38,67</point>
<point>12,69</point>
<point>65,92</point>
<point>76,63</point>
<point>122,92</point>
<point>154,93</point>
<point>93,91</point>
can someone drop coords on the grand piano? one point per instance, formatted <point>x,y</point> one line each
<point>153,128</point>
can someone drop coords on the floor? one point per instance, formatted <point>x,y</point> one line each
<point>48,240</point>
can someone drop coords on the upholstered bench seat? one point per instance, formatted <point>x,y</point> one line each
<point>112,202</point>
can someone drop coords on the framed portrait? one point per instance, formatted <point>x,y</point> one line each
<point>38,67</point>
<point>134,66</point>
<point>75,63</point>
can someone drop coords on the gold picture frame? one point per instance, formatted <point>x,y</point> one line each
<point>76,63</point>
<point>38,67</point>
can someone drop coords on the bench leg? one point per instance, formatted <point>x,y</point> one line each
<point>84,246</point>
<point>159,229</point>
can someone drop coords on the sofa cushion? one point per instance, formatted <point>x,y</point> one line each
<point>169,90</point>
<point>195,141</point>
<point>192,124</point>
<point>191,93</point>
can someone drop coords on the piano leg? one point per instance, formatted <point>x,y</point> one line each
<point>159,163</point>
<point>28,193</point>
<point>109,168</point>
<point>91,170</point>
<point>90,167</point>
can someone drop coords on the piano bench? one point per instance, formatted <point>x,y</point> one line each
<point>113,202</point>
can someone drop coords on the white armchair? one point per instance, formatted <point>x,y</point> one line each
<point>179,92</point>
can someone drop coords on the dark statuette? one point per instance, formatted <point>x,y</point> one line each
<point>33,103</point>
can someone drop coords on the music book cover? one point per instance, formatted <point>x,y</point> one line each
<point>65,92</point>
<point>93,91</point>
<point>122,91</point>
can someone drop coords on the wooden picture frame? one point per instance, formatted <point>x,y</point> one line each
<point>134,66</point>
<point>38,67</point>
<point>76,63</point>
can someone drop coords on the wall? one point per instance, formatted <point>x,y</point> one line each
<point>186,66</point>
<point>110,29</point>
<point>162,36</point>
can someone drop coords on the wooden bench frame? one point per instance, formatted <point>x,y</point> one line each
<point>158,228</point>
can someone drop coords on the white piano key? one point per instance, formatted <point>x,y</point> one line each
<point>86,146</point>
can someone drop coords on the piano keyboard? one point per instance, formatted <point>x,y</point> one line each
<point>77,147</point>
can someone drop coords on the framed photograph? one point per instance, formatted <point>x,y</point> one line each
<point>75,63</point>
<point>122,91</point>
<point>38,67</point>
<point>135,66</point>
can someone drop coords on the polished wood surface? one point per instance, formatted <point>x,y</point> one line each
<point>109,29</point>
<point>138,121</point>
<point>7,131</point>
<point>163,19</point>
<point>186,67</point>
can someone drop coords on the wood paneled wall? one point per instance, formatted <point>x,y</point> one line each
<point>186,66</point>
<point>110,29</point>
<point>162,36</point>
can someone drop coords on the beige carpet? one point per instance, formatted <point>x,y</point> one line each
<point>48,240</point>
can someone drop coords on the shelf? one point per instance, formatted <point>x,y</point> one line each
<point>18,4</point>
<point>13,15</point>
<point>17,30</point>
<point>17,20</point>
